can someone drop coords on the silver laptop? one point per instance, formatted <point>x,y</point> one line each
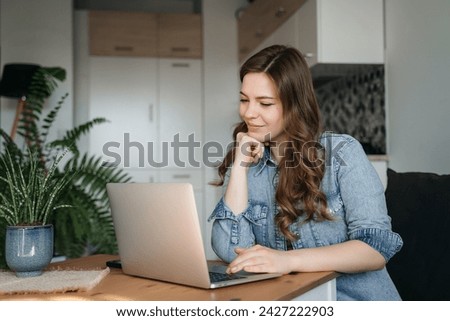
<point>159,237</point>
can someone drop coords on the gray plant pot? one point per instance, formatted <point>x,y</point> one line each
<point>28,249</point>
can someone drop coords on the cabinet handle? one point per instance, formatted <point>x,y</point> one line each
<point>181,176</point>
<point>180,65</point>
<point>280,12</point>
<point>150,112</point>
<point>180,49</point>
<point>123,48</point>
<point>308,55</point>
<point>259,33</point>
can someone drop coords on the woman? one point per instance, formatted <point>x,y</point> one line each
<point>296,199</point>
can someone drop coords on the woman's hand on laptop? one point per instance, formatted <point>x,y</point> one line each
<point>260,259</point>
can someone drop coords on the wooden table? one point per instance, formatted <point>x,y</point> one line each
<point>118,286</point>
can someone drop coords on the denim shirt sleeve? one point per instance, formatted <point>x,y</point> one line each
<point>363,197</point>
<point>230,231</point>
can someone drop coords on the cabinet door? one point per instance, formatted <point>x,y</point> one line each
<point>346,31</point>
<point>351,31</point>
<point>124,91</point>
<point>307,31</point>
<point>180,35</point>
<point>122,33</point>
<point>180,108</point>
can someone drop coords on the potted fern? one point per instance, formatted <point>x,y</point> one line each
<point>27,204</point>
<point>84,225</point>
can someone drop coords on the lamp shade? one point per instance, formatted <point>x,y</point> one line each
<point>16,79</point>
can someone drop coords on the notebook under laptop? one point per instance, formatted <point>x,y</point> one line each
<point>159,237</point>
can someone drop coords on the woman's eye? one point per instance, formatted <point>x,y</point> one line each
<point>266,104</point>
<point>243,100</point>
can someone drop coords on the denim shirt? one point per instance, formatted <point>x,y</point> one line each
<point>356,200</point>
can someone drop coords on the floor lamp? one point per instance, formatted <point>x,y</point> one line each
<point>15,82</point>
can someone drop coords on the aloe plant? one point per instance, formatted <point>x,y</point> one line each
<point>84,224</point>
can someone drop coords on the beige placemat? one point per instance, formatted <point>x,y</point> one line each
<point>52,281</point>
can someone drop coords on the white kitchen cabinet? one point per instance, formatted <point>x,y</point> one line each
<point>180,111</point>
<point>344,31</point>
<point>150,103</point>
<point>334,32</point>
<point>180,120</point>
<point>124,90</point>
<point>155,111</point>
<point>142,175</point>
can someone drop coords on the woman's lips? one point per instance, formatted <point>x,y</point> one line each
<point>254,126</point>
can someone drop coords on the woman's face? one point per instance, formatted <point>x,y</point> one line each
<point>261,108</point>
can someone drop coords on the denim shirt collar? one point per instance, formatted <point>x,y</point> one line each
<point>266,160</point>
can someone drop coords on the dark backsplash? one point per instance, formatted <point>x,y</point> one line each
<point>354,105</point>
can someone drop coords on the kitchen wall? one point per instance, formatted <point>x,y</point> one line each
<point>38,32</point>
<point>417,84</point>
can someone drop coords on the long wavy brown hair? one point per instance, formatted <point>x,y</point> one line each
<point>302,166</point>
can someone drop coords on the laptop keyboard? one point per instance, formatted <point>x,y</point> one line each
<point>220,277</point>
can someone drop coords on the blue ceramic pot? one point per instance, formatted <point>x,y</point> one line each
<point>28,249</point>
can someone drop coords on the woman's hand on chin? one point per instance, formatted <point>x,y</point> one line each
<point>249,150</point>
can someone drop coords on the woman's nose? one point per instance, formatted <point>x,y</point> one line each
<point>251,111</point>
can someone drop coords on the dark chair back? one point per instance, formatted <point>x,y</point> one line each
<point>419,205</point>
